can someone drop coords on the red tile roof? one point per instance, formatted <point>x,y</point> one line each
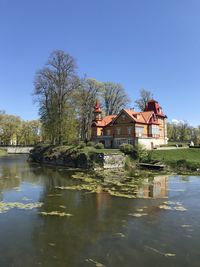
<point>138,117</point>
<point>105,121</point>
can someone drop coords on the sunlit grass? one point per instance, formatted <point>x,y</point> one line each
<point>189,154</point>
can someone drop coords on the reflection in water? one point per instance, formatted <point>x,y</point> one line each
<point>101,229</point>
<point>156,188</point>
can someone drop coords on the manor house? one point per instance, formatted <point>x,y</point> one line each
<point>148,128</point>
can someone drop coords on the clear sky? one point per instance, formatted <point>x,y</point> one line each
<point>151,44</point>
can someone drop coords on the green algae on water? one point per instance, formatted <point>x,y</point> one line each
<point>170,205</point>
<point>96,263</point>
<point>56,213</point>
<point>6,206</point>
<point>137,215</point>
<point>160,252</point>
<point>120,235</point>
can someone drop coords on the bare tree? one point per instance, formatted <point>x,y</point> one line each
<point>145,96</point>
<point>114,98</point>
<point>86,97</point>
<point>54,85</point>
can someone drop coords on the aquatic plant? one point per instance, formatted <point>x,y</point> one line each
<point>119,235</point>
<point>96,263</point>
<point>56,213</point>
<point>171,205</point>
<point>6,206</point>
<point>137,214</point>
<point>161,253</point>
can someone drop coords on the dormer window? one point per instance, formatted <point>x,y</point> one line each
<point>123,117</point>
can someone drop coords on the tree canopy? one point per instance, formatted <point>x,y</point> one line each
<point>145,96</point>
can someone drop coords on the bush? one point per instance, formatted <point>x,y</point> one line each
<point>90,143</point>
<point>81,145</point>
<point>142,154</point>
<point>127,149</point>
<point>129,163</point>
<point>99,146</point>
<point>136,152</point>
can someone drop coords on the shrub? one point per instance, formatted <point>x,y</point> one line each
<point>99,146</point>
<point>90,143</point>
<point>127,149</point>
<point>129,163</point>
<point>141,153</point>
<point>66,143</point>
<point>136,152</point>
<point>81,145</point>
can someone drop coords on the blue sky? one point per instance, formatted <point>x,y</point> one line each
<point>151,44</point>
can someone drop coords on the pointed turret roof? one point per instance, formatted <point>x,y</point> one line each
<point>97,107</point>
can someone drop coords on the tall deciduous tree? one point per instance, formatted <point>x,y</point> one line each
<point>184,131</point>
<point>15,131</point>
<point>86,97</point>
<point>114,98</point>
<point>145,96</point>
<point>10,127</point>
<point>30,133</point>
<point>181,131</point>
<point>54,85</point>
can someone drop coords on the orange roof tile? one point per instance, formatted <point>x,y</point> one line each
<point>105,121</point>
<point>147,115</point>
<point>140,117</point>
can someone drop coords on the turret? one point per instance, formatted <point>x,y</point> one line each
<point>97,112</point>
<point>153,105</point>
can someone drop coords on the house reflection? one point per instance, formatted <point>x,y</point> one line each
<point>158,188</point>
<point>149,188</point>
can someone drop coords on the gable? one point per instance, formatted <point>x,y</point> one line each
<point>123,118</point>
<point>148,116</point>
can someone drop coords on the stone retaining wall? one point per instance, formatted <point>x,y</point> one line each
<point>113,161</point>
<point>17,150</point>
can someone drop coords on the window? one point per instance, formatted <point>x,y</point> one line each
<point>154,130</point>
<point>118,142</point>
<point>123,117</point>
<point>129,130</point>
<point>139,130</point>
<point>108,131</point>
<point>118,131</point>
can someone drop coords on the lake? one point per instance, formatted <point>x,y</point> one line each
<point>43,222</point>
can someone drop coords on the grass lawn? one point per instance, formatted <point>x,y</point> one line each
<point>188,154</point>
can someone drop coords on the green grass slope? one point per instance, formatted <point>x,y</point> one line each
<point>188,154</point>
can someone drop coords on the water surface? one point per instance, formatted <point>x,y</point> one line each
<point>161,227</point>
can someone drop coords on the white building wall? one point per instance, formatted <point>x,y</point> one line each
<point>119,141</point>
<point>150,143</point>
